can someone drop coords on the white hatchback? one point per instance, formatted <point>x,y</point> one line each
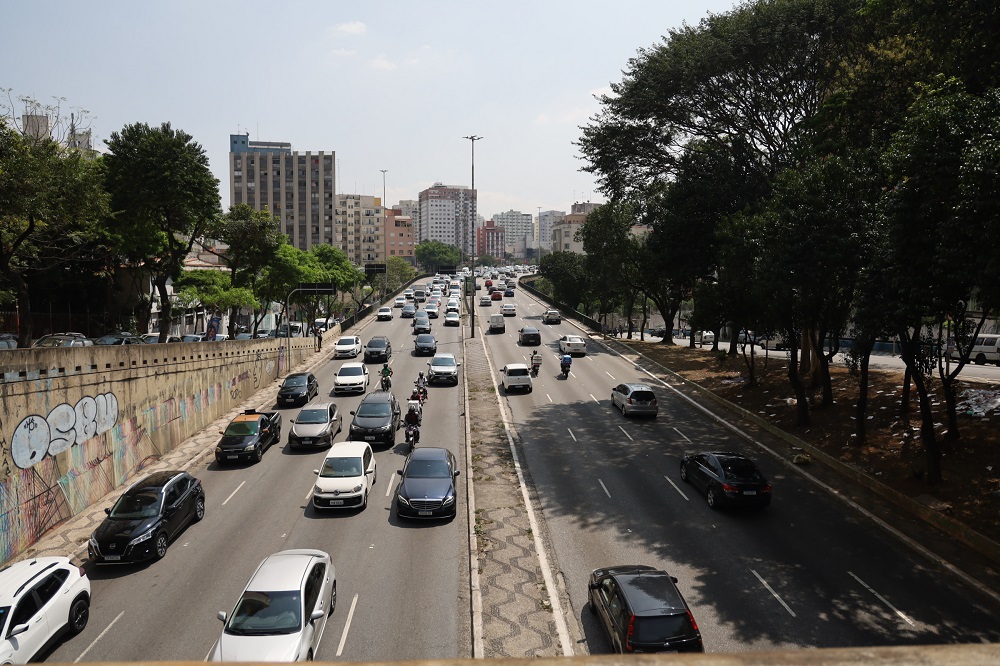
<point>572,344</point>
<point>516,375</point>
<point>346,477</point>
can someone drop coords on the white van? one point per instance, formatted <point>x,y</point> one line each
<point>497,323</point>
<point>985,350</point>
<point>419,295</point>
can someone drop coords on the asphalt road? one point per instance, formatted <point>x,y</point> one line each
<point>402,586</point>
<point>803,573</point>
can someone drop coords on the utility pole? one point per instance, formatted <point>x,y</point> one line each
<point>471,228</point>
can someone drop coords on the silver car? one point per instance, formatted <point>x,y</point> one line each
<point>315,425</point>
<point>634,399</point>
<point>283,611</point>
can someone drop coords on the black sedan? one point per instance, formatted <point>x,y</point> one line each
<point>298,387</point>
<point>726,478</point>
<point>425,344</point>
<point>529,336</point>
<point>147,517</point>
<point>427,489</point>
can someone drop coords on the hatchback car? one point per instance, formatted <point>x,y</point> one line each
<point>421,325</point>
<point>551,317</point>
<point>508,293</point>
<point>425,344</point>
<point>516,375</point>
<point>376,419</point>
<point>113,339</point>
<point>384,314</point>
<point>351,378</point>
<point>634,399</point>
<point>346,477</point>
<point>41,600</point>
<point>347,346</point>
<point>147,516</point>
<point>379,348</point>
<point>640,609</point>
<point>298,387</point>
<point>316,424</point>
<point>452,319</point>
<point>443,368</point>
<point>529,335</point>
<point>399,302</point>
<point>726,478</point>
<point>427,486</point>
<point>283,610</point>
<point>572,344</point>
<point>154,338</point>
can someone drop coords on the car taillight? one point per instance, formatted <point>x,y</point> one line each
<point>628,400</point>
<point>653,401</point>
<point>730,488</point>
<point>628,636</point>
<point>693,623</point>
<point>766,488</point>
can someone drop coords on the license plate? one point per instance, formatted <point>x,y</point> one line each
<point>112,558</point>
<point>749,492</point>
<point>336,502</point>
<point>425,513</point>
<point>370,438</point>
<point>232,457</point>
<point>307,441</point>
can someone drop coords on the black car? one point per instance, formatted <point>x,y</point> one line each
<point>248,436</point>
<point>641,610</point>
<point>298,388</point>
<point>119,339</point>
<point>378,349</point>
<point>529,336</point>
<point>427,489</point>
<point>376,419</point>
<point>425,343</point>
<point>408,311</point>
<point>726,478</point>
<point>147,517</point>
<point>421,325</point>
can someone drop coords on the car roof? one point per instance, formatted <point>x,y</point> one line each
<point>648,590</point>
<point>16,575</point>
<point>523,366</point>
<point>377,396</point>
<point>638,387</point>
<point>444,355</point>
<point>529,329</point>
<point>380,338</point>
<point>244,418</point>
<point>429,453</point>
<point>348,448</point>
<point>298,374</point>
<point>157,479</point>
<point>425,337</point>
<point>319,404</point>
<point>352,364</point>
<point>284,570</point>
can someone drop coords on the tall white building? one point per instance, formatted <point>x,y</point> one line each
<point>447,214</point>
<point>547,219</point>
<point>517,226</point>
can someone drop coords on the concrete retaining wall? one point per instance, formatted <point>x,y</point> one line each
<point>76,423</point>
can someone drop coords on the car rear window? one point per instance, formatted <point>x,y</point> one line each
<point>517,372</point>
<point>644,396</point>
<point>661,628</point>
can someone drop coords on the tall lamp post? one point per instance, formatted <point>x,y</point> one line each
<point>385,222</point>
<point>472,227</point>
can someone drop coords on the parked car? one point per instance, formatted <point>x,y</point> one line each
<point>248,435</point>
<point>376,419</point>
<point>282,613</point>
<point>427,486</point>
<point>347,346</point>
<point>572,344</point>
<point>346,476</point>
<point>452,319</point>
<point>147,517</point>
<point>529,335</point>
<point>193,337</point>
<point>384,314</point>
<point>63,340</point>
<point>425,344</point>
<point>351,378</point>
<point>298,387</point>
<point>154,338</point>
<point>379,348</point>
<point>640,609</point>
<point>443,368</point>
<point>551,317</point>
<point>634,399</point>
<point>41,600</point>
<point>421,325</point>
<point>726,478</point>
<point>316,424</point>
<point>119,339</point>
<point>516,375</point>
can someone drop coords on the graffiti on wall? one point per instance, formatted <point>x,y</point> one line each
<point>65,426</point>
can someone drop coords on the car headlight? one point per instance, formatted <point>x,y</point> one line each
<point>403,500</point>
<point>385,427</point>
<point>145,536</point>
<point>218,449</point>
<point>93,542</point>
<point>356,489</point>
<point>250,447</point>
<point>317,490</point>
<point>448,501</point>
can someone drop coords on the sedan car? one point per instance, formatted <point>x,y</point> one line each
<point>346,477</point>
<point>726,478</point>
<point>63,340</point>
<point>452,319</point>
<point>509,293</point>
<point>425,344</point>
<point>408,311</point>
<point>443,368</point>
<point>119,339</point>
<point>316,424</point>
<point>41,599</point>
<point>421,325</point>
<point>379,348</point>
<point>154,338</point>
<point>376,419</point>
<point>485,301</point>
<point>351,378</point>
<point>529,335</point>
<point>432,310</point>
<point>283,610</point>
<point>508,310</point>
<point>427,486</point>
<point>347,346</point>
<point>298,387</point>
<point>572,344</point>
<point>384,314</point>
<point>634,399</point>
<point>399,302</point>
<point>551,317</point>
<point>496,295</point>
<point>146,517</point>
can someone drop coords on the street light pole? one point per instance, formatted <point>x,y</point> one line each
<point>385,230</point>
<point>472,228</point>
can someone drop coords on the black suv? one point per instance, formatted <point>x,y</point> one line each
<point>376,419</point>
<point>641,610</point>
<point>378,349</point>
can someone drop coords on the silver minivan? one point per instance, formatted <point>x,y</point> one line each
<point>985,350</point>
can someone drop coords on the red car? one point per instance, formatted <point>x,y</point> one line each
<point>497,295</point>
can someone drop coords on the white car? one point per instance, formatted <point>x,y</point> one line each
<point>399,302</point>
<point>351,378</point>
<point>346,477</point>
<point>516,375</point>
<point>348,346</point>
<point>508,310</point>
<point>432,310</point>
<point>384,314</point>
<point>452,319</point>
<point>572,344</point>
<point>485,301</point>
<point>443,368</point>
<point>283,611</point>
<point>41,598</point>
<point>408,294</point>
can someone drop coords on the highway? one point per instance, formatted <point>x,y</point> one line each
<point>402,586</point>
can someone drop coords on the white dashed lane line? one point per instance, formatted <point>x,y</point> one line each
<point>683,435</point>
<point>605,488</point>
<point>347,626</point>
<point>882,599</point>
<point>242,483</point>
<point>773,593</point>
<point>571,434</point>
<point>681,492</point>
<point>594,399</point>
<point>101,635</point>
<point>626,433</point>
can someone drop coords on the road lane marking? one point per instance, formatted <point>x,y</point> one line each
<point>549,397</point>
<point>675,487</point>
<point>595,399</point>
<point>882,599</point>
<point>626,434</point>
<point>589,358</point>
<point>309,494</point>
<point>100,636</point>
<point>773,593</point>
<point>610,375</point>
<point>683,435</point>
<point>571,434</point>
<point>242,483</point>
<point>388,489</point>
<point>347,626</point>
<point>605,488</point>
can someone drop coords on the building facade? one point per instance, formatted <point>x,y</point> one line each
<point>546,220</point>
<point>297,187</point>
<point>517,227</point>
<point>447,214</point>
<point>400,235</point>
<point>490,240</point>
<point>360,229</point>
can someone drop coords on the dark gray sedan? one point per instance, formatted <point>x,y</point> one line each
<point>425,343</point>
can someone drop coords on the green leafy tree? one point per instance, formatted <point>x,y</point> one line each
<point>567,273</point>
<point>213,290</point>
<point>164,197</point>
<point>432,255</point>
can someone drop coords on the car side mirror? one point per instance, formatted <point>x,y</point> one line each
<point>316,472</point>
<point>316,615</point>
<point>352,412</point>
<point>17,629</point>
<point>291,420</point>
<point>673,578</point>
<point>221,615</point>
<point>222,432</point>
<point>457,472</point>
<point>400,472</point>
<point>107,510</point>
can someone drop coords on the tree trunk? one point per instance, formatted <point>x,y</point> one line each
<point>927,438</point>
<point>166,307</point>
<point>951,401</point>
<point>904,403</point>
<point>802,403</point>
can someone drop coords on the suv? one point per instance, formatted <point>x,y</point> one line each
<point>376,419</point>
<point>443,368</point>
<point>516,375</point>
<point>378,349</point>
<point>641,610</point>
<point>63,340</point>
<point>43,598</point>
<point>316,424</point>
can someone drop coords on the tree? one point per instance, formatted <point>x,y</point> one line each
<point>213,290</point>
<point>567,273</point>
<point>164,197</point>
<point>432,255</point>
<point>611,256</point>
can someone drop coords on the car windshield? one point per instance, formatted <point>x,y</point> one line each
<point>140,504</point>
<point>338,468</point>
<point>425,340</point>
<point>376,344</point>
<point>345,342</point>
<point>428,469</point>
<point>242,429</point>
<point>266,613</point>
<point>295,381</point>
<point>347,371</point>
<point>313,416</point>
<point>53,342</point>
<point>374,409</point>
<point>443,361</point>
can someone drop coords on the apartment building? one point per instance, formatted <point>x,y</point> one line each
<point>400,235</point>
<point>546,220</point>
<point>517,227</point>
<point>564,231</point>
<point>447,214</point>
<point>490,240</point>
<point>297,187</point>
<point>360,228</point>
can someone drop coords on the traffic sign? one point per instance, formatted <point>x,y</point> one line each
<point>318,288</point>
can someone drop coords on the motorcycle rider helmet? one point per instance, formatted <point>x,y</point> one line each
<point>413,408</point>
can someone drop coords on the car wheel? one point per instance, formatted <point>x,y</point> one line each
<point>333,598</point>
<point>710,497</point>
<point>79,613</point>
<point>260,453</point>
<point>684,474</point>
<point>161,545</point>
<point>364,502</point>
<point>981,359</point>
<point>199,509</point>
<point>624,411</point>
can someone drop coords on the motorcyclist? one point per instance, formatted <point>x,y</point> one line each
<point>536,362</point>
<point>417,395</point>
<point>386,375</point>
<point>565,363</point>
<point>412,420</point>
<point>421,384</point>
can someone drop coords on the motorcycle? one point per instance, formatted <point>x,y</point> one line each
<point>565,370</point>
<point>423,391</point>
<point>412,434</point>
<point>386,382</point>
<point>535,367</point>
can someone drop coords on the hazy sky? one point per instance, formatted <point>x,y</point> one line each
<point>386,84</point>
